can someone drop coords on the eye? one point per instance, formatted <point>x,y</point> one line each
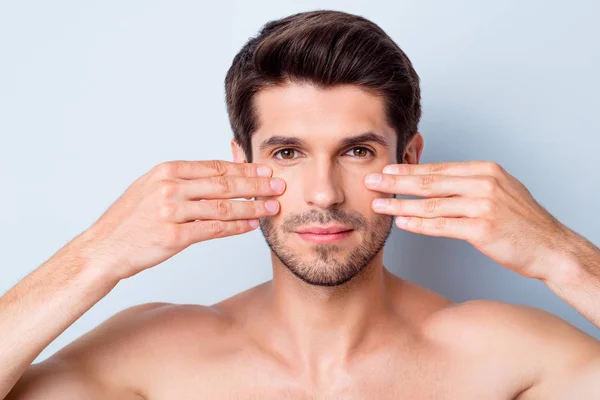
<point>285,154</point>
<point>359,152</point>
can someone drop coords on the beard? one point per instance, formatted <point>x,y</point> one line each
<point>324,268</point>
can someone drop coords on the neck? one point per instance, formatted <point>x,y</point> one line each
<point>320,323</point>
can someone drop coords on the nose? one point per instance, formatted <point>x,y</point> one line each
<point>323,184</point>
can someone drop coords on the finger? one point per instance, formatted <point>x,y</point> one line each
<point>432,185</point>
<point>198,231</point>
<point>201,169</point>
<point>231,187</point>
<point>463,168</point>
<point>457,228</point>
<point>433,207</point>
<point>224,210</point>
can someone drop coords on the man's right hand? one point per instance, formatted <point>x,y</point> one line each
<point>164,211</point>
<point>174,205</point>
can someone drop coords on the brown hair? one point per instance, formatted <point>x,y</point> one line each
<point>325,48</point>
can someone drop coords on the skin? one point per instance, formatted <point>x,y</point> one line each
<point>375,336</point>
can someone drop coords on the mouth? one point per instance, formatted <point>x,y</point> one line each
<point>320,234</point>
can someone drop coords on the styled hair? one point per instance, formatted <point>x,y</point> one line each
<point>324,48</point>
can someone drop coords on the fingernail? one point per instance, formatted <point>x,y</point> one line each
<point>253,223</point>
<point>277,185</point>
<point>263,171</point>
<point>373,179</point>
<point>380,203</point>
<point>391,169</point>
<point>272,206</point>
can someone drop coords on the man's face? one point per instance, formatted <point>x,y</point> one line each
<point>323,143</point>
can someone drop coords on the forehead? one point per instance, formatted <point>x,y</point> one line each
<point>305,111</point>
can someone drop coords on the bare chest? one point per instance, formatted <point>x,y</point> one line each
<point>245,377</point>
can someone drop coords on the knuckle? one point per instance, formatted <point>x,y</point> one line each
<point>216,166</point>
<point>223,208</point>
<point>440,223</point>
<point>241,226</point>
<point>436,168</point>
<point>431,205</point>
<point>390,182</point>
<point>258,208</point>
<point>417,223</point>
<point>489,184</point>
<point>173,237</point>
<point>485,228</point>
<point>427,181</point>
<point>487,206</point>
<point>224,184</point>
<point>493,168</point>
<point>168,211</point>
<point>259,185</point>
<point>168,188</point>
<point>399,206</point>
<point>166,169</point>
<point>216,228</point>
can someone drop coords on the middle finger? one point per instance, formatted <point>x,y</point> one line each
<point>232,187</point>
<point>425,185</point>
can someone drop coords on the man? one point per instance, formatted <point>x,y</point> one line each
<point>324,107</point>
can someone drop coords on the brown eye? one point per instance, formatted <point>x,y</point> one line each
<point>360,152</point>
<point>286,154</point>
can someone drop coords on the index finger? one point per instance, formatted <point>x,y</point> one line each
<point>211,168</point>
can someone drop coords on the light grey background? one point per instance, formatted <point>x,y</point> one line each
<point>93,94</point>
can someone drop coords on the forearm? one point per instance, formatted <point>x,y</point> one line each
<point>575,276</point>
<point>42,305</point>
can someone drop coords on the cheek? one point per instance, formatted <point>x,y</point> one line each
<point>291,199</point>
<point>293,183</point>
<point>357,194</point>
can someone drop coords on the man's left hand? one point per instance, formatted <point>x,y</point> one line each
<point>476,201</point>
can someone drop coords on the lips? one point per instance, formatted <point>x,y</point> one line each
<point>322,230</point>
<point>325,234</point>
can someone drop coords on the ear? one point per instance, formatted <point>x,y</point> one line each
<point>238,154</point>
<point>414,149</point>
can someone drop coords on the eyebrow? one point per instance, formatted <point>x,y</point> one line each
<point>348,141</point>
<point>281,141</point>
<point>364,138</point>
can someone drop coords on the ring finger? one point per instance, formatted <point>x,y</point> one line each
<point>429,185</point>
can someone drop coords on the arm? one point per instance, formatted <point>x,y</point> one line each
<point>41,306</point>
<point>574,274</point>
<point>57,379</point>
<point>158,216</point>
<point>483,204</point>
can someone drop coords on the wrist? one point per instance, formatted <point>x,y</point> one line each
<point>572,263</point>
<point>93,265</point>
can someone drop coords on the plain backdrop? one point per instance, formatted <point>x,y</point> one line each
<point>94,94</point>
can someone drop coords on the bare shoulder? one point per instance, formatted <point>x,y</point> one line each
<point>154,328</point>
<point>116,358</point>
<point>488,319</point>
<point>150,324</point>
<point>552,353</point>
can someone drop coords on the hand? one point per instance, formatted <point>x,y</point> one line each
<point>177,204</point>
<point>478,202</point>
